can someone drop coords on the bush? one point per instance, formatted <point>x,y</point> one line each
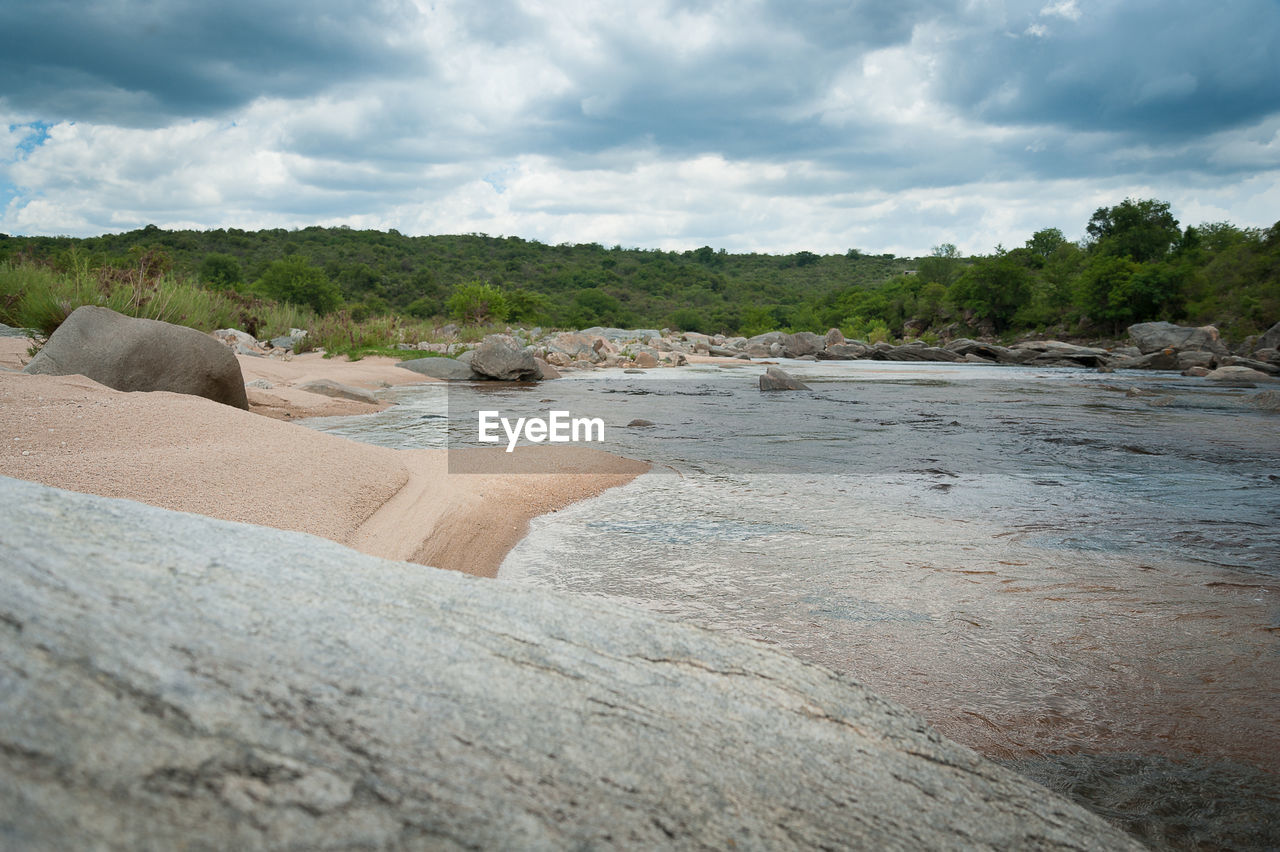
<point>297,282</point>
<point>477,303</point>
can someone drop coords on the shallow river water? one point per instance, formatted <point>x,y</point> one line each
<point>1081,583</point>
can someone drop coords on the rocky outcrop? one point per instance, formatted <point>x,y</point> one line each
<point>778,379</point>
<point>802,343</point>
<point>131,354</point>
<point>1156,336</point>
<point>172,681</point>
<point>501,358</point>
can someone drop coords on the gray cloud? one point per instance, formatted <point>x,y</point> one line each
<point>1171,69</point>
<point>139,63</point>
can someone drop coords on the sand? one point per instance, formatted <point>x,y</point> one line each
<point>190,454</point>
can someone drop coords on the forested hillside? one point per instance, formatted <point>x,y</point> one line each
<point>1136,264</point>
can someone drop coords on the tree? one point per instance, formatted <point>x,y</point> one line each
<point>477,303</point>
<point>291,279</point>
<point>994,288</point>
<point>1104,290</point>
<point>942,266</point>
<point>1141,230</point>
<point>1046,242</point>
<point>221,270</point>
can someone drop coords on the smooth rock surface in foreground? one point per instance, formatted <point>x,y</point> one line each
<point>171,681</point>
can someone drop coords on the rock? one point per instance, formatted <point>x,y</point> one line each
<point>1196,372</point>
<point>233,337</point>
<point>545,370</point>
<point>1251,363</point>
<point>172,681</point>
<point>1239,377</point>
<point>465,356</point>
<point>1269,339</point>
<point>259,384</point>
<point>448,369</point>
<point>1194,358</point>
<point>1056,353</point>
<point>842,352</point>
<point>646,360</point>
<point>986,351</point>
<point>777,379</point>
<point>1270,356</point>
<point>1156,336</point>
<point>802,343</point>
<point>640,421</point>
<point>1267,400</point>
<point>1164,360</point>
<point>723,352</point>
<point>449,331</point>
<point>500,358</point>
<point>337,390</point>
<point>619,335</point>
<point>835,337</point>
<point>131,354</point>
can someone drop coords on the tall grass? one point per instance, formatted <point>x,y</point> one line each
<point>41,297</point>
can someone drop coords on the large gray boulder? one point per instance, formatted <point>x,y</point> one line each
<point>131,354</point>
<point>171,681</point>
<point>500,357</point>
<point>1158,336</point>
<point>447,369</point>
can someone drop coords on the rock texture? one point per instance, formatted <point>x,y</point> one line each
<point>337,390</point>
<point>131,354</point>
<point>171,681</point>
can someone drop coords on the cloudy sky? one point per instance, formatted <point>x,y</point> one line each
<point>752,125</point>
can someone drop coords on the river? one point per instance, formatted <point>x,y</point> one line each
<point>1077,574</point>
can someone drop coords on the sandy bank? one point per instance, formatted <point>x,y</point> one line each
<point>190,454</point>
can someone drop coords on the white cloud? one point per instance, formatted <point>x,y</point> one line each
<point>1066,9</point>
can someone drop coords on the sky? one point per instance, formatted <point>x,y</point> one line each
<point>750,125</point>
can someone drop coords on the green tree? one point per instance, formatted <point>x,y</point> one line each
<point>994,288</point>
<point>942,266</point>
<point>1105,290</point>
<point>477,303</point>
<point>291,279</point>
<point>1046,242</point>
<point>1141,230</point>
<point>221,271</point>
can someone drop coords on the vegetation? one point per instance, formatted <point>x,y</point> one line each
<point>352,287</point>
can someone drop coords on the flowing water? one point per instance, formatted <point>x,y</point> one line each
<point>1079,582</point>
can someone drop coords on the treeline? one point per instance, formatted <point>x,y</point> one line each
<point>1135,264</point>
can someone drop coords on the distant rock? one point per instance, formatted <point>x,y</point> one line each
<point>546,371</point>
<point>640,421</point>
<point>835,337</point>
<point>1166,359</point>
<point>448,369</point>
<point>1269,339</point>
<point>500,358</point>
<point>131,354</point>
<point>1252,363</point>
<point>777,379</point>
<point>1157,336</point>
<point>176,682</point>
<point>1240,377</point>
<point>233,337</point>
<point>337,390</point>
<point>842,352</point>
<point>1196,372</point>
<point>802,343</point>
<point>646,360</point>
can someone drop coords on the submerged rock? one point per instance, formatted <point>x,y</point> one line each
<point>172,681</point>
<point>448,369</point>
<point>337,390</point>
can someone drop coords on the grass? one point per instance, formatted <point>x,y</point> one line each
<point>40,297</point>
